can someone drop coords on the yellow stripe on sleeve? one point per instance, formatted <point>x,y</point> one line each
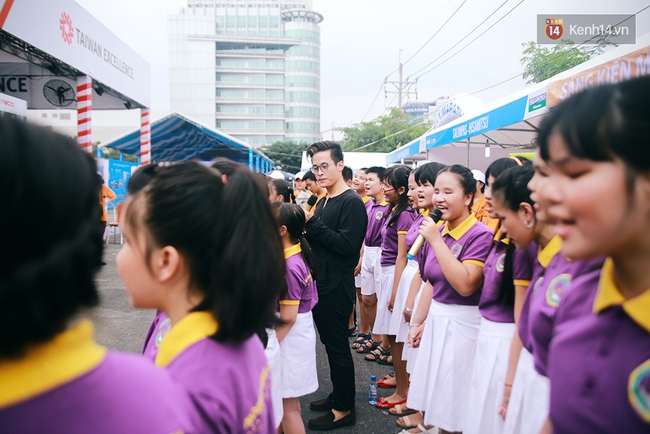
<point>290,302</point>
<point>518,282</point>
<point>472,261</point>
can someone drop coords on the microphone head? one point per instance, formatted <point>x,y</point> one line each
<point>312,200</point>
<point>436,214</point>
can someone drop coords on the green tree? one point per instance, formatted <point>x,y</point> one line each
<point>113,154</point>
<point>384,133</point>
<point>541,62</point>
<point>286,154</point>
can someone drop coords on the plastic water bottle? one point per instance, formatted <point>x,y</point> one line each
<point>372,391</point>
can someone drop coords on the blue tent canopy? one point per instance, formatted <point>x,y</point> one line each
<point>177,138</point>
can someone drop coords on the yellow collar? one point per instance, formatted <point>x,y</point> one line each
<point>553,247</point>
<point>461,229</point>
<point>608,295</point>
<point>375,203</point>
<point>194,327</point>
<point>293,250</point>
<point>426,212</point>
<point>365,199</point>
<point>47,366</point>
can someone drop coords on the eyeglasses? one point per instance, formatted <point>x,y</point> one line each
<point>322,168</point>
<point>387,187</point>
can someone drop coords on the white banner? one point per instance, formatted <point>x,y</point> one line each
<point>68,32</point>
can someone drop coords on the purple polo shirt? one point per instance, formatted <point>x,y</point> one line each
<point>377,212</point>
<point>390,233</point>
<point>599,360</point>
<point>542,300</point>
<point>470,242</point>
<point>522,271</point>
<point>414,231</point>
<point>230,384</point>
<point>158,329</point>
<point>124,393</point>
<point>301,288</point>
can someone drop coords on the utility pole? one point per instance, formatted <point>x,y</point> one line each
<point>401,86</point>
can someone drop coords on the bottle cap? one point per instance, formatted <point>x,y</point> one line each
<point>373,378</point>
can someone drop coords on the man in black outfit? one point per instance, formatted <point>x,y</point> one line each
<point>335,231</point>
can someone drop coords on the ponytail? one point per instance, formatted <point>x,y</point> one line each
<point>292,217</point>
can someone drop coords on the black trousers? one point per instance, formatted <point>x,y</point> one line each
<point>331,315</point>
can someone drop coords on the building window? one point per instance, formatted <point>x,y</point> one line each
<point>64,116</point>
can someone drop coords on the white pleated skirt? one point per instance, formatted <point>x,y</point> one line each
<point>529,398</point>
<point>398,326</point>
<point>382,320</point>
<point>298,354</point>
<point>273,356</point>
<point>408,353</point>
<point>487,378</point>
<point>439,380</point>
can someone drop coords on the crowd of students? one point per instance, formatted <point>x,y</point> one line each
<point>525,310</point>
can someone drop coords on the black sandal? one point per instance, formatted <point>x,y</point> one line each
<point>368,346</point>
<point>361,340</point>
<point>375,356</point>
<point>383,359</point>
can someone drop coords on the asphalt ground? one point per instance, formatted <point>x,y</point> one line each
<point>118,326</point>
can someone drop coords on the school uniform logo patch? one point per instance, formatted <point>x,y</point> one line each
<point>379,215</point>
<point>455,250</point>
<point>538,284</point>
<point>163,329</point>
<point>501,263</point>
<point>555,289</point>
<point>638,389</point>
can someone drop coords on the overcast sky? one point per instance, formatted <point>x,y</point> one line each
<point>361,42</point>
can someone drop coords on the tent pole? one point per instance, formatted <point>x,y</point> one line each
<point>468,152</point>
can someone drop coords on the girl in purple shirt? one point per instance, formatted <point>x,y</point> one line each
<point>296,334</point>
<point>599,196</point>
<point>447,318</point>
<point>393,261</point>
<point>53,377</point>
<point>507,274</point>
<point>207,254</point>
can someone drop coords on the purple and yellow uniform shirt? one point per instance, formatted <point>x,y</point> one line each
<point>538,313</point>
<point>73,385</point>
<point>377,212</point>
<point>158,329</point>
<point>389,235</point>
<point>414,231</point>
<point>301,288</point>
<point>229,382</point>
<point>599,361</point>
<point>469,242</point>
<point>522,272</point>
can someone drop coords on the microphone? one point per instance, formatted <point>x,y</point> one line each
<point>310,202</point>
<point>417,245</point>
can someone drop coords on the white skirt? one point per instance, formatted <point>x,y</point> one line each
<point>273,356</point>
<point>398,327</point>
<point>488,374</point>
<point>370,270</point>
<point>443,364</point>
<point>382,320</point>
<point>529,398</point>
<point>298,354</point>
<point>411,354</point>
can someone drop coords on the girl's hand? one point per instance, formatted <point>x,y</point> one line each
<point>391,303</point>
<point>415,336</point>
<point>407,316</point>
<point>357,269</point>
<point>503,409</point>
<point>429,230</point>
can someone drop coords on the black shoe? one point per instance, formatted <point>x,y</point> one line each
<point>323,404</point>
<point>326,422</point>
<point>103,263</point>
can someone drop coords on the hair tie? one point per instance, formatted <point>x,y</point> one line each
<point>516,160</point>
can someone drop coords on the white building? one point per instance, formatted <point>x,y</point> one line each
<point>250,68</point>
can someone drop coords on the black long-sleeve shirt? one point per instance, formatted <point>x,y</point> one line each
<point>335,234</point>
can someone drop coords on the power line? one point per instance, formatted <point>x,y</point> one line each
<point>393,134</point>
<point>464,37</point>
<point>472,41</point>
<point>373,102</point>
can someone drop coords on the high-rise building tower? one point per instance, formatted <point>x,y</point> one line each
<point>250,68</point>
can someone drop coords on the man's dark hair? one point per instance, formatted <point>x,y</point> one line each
<point>347,173</point>
<point>309,176</point>
<point>335,150</point>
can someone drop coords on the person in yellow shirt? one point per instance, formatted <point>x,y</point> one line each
<point>479,208</point>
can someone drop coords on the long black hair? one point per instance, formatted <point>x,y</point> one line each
<point>284,189</point>
<point>226,234</point>
<point>292,217</point>
<point>47,270</point>
<point>512,187</point>
<point>466,180</point>
<point>398,177</point>
<point>428,172</point>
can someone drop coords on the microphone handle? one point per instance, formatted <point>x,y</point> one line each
<point>419,241</point>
